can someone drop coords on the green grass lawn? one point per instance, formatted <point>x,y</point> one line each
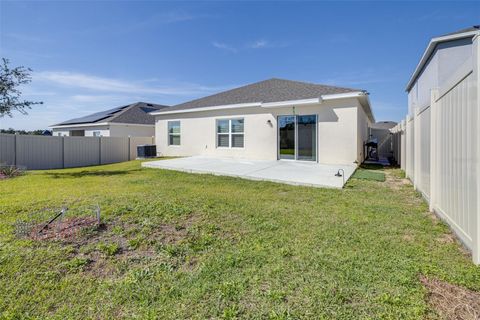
<point>178,245</point>
<point>361,173</point>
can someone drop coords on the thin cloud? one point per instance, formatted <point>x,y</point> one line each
<point>97,98</point>
<point>148,22</point>
<point>27,38</point>
<point>102,84</point>
<point>262,44</point>
<point>224,46</point>
<point>259,44</point>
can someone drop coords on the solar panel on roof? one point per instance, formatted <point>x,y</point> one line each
<point>95,116</point>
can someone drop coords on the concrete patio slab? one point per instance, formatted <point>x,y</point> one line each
<point>290,172</point>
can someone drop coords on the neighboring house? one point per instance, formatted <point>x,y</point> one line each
<point>381,132</point>
<point>383,125</point>
<point>271,119</point>
<point>439,139</point>
<point>130,120</point>
<point>444,57</point>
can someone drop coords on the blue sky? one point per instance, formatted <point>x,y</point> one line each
<point>90,56</point>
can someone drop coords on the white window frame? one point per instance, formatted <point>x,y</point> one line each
<point>229,133</point>
<point>174,134</point>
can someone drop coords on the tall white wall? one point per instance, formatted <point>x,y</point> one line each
<point>363,125</point>
<point>441,141</point>
<point>444,62</point>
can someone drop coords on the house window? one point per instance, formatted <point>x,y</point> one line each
<point>230,133</point>
<point>173,133</point>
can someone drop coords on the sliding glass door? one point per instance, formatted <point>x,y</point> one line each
<point>286,137</point>
<point>307,137</point>
<point>297,137</point>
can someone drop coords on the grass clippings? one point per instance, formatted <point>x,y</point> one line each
<point>452,302</point>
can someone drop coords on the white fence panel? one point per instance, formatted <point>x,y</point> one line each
<point>441,148</point>
<point>136,141</point>
<point>403,149</point>
<point>422,153</point>
<point>7,149</point>
<point>410,148</point>
<point>456,159</point>
<point>39,152</point>
<point>47,152</point>
<point>113,149</point>
<point>81,151</point>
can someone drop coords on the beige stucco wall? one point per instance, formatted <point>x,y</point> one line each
<point>336,143</point>
<point>104,131</point>
<point>115,130</point>
<point>362,133</point>
<point>126,130</point>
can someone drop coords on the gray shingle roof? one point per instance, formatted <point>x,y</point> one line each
<point>137,113</point>
<point>271,90</point>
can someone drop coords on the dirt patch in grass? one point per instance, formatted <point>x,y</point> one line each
<point>103,252</point>
<point>174,232</point>
<point>446,238</point>
<point>65,230</point>
<point>394,181</point>
<point>450,301</point>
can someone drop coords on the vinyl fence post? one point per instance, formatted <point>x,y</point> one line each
<point>15,150</point>
<point>416,148</point>
<point>433,149</point>
<point>99,150</point>
<point>63,152</point>
<point>476,215</point>
<point>129,158</point>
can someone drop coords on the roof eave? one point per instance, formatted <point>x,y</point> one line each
<point>431,47</point>
<point>73,125</point>
<point>361,95</point>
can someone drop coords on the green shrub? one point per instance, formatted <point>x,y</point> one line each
<point>10,171</point>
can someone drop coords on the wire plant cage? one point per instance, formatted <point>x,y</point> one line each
<point>65,223</point>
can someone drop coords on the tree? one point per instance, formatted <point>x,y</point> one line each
<point>10,94</point>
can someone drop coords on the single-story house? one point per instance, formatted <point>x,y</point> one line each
<point>270,120</point>
<point>132,120</point>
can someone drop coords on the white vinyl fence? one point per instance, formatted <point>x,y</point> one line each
<point>439,148</point>
<point>50,152</point>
